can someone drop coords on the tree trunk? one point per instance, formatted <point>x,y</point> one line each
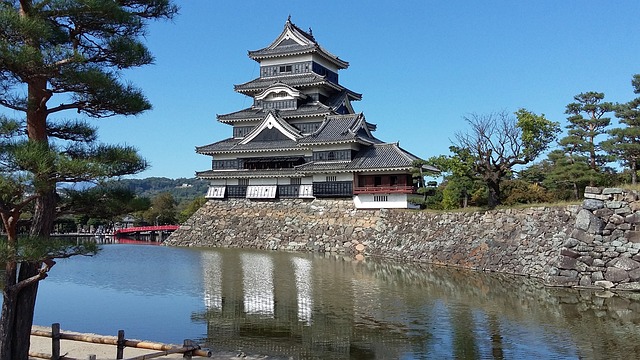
<point>26,303</point>
<point>7,324</point>
<point>25,300</point>
<point>634,171</point>
<point>9,295</point>
<point>494,193</point>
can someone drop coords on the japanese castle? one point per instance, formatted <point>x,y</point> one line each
<point>301,137</point>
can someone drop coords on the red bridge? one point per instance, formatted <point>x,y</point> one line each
<point>142,229</point>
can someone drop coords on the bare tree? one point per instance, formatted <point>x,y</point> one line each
<point>499,141</point>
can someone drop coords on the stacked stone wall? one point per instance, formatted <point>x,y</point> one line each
<point>593,245</point>
<point>603,248</point>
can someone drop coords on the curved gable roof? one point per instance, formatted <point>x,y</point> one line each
<point>294,41</point>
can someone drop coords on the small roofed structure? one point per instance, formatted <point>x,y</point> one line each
<point>301,137</point>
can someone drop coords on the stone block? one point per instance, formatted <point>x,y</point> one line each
<point>603,213</point>
<point>625,263</point>
<point>604,284</point>
<point>613,204</point>
<point>592,204</point>
<point>585,280</point>
<point>583,220</point>
<point>597,196</point>
<point>633,236</point>
<point>558,280</point>
<point>616,219</point>
<point>634,274</point>
<point>635,206</point>
<point>625,226</point>
<point>570,253</point>
<point>631,286</point>
<point>567,263</point>
<point>597,276</point>
<point>611,191</point>
<point>632,218</point>
<point>616,275</point>
<point>581,235</point>
<point>592,190</point>
<point>586,259</point>
<point>571,242</point>
<point>624,211</point>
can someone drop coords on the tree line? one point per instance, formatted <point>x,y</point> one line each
<point>497,160</point>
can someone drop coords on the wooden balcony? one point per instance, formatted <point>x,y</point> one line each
<point>389,189</point>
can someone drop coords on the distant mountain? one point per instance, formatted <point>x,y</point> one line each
<point>182,189</point>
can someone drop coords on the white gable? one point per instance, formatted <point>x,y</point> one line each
<point>271,122</point>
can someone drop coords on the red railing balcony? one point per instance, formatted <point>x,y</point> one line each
<point>389,189</point>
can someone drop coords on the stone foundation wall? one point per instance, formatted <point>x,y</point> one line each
<point>603,248</point>
<point>594,245</point>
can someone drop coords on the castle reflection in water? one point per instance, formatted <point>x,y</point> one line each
<point>281,305</point>
<point>296,305</point>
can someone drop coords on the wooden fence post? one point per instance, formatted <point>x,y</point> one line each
<point>188,343</point>
<point>55,341</point>
<point>121,341</point>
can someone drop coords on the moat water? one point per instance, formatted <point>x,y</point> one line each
<point>310,306</point>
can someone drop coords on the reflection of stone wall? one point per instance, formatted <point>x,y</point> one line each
<point>596,244</point>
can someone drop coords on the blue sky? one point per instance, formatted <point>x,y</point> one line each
<point>421,66</point>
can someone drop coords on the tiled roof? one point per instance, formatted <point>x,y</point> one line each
<point>295,80</point>
<point>340,128</point>
<point>285,46</point>
<point>233,145</point>
<point>384,156</point>
<point>252,113</point>
<point>387,155</point>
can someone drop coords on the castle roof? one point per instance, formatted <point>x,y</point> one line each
<point>378,157</point>
<point>310,109</point>
<point>253,113</point>
<point>295,41</point>
<point>340,129</point>
<point>233,145</point>
<point>294,80</point>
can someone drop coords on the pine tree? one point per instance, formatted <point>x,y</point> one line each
<point>624,142</point>
<point>583,132</point>
<point>57,56</point>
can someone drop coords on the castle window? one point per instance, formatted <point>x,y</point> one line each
<point>285,68</point>
<point>331,178</point>
<point>243,181</point>
<point>331,156</point>
<point>380,198</point>
<point>296,181</point>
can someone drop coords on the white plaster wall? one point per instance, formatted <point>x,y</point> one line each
<point>268,181</point>
<point>339,177</point>
<point>395,201</point>
<point>218,182</point>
